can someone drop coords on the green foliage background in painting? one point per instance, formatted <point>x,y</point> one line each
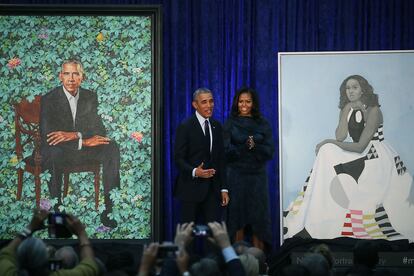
<point>116,54</point>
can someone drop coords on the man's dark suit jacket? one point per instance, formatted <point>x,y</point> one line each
<point>57,116</point>
<point>189,153</point>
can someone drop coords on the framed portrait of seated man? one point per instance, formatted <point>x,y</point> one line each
<point>80,91</point>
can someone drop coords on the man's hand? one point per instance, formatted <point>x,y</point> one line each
<point>183,234</point>
<point>220,236</point>
<point>149,256</point>
<point>95,141</point>
<point>225,198</point>
<point>37,222</point>
<point>200,172</point>
<point>57,137</point>
<point>182,259</point>
<point>75,225</point>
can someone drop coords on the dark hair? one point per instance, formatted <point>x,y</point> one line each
<point>368,96</point>
<point>255,108</point>
<point>201,90</point>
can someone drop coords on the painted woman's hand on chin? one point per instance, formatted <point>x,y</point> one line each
<point>358,105</point>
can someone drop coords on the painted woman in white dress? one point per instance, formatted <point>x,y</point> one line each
<point>358,187</point>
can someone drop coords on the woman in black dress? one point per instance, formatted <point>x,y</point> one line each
<point>248,143</point>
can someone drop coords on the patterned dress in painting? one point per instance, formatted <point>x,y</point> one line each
<point>366,195</point>
<point>246,175</point>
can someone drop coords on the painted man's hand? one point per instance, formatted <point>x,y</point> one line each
<point>57,137</point>
<point>95,141</point>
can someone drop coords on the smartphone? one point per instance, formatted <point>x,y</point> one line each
<point>201,230</point>
<point>57,226</point>
<point>166,251</point>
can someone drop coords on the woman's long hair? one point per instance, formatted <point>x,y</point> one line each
<point>255,99</point>
<point>368,96</point>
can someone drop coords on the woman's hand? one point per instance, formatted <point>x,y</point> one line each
<point>250,143</point>
<point>358,105</point>
<point>326,141</point>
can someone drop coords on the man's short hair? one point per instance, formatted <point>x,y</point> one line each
<point>78,65</point>
<point>250,264</point>
<point>68,256</point>
<point>201,90</point>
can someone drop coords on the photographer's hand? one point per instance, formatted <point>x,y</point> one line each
<point>149,256</point>
<point>183,234</point>
<point>37,222</point>
<point>220,236</point>
<point>77,228</point>
<point>182,259</point>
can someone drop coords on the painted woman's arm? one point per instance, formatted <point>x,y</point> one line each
<point>371,126</point>
<point>341,131</point>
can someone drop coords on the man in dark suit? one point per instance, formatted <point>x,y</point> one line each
<point>72,132</point>
<point>199,156</point>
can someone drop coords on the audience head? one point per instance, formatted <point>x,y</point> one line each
<point>32,257</point>
<point>250,264</point>
<point>51,250</point>
<point>316,264</point>
<point>365,253</point>
<point>261,257</point>
<point>325,251</point>
<point>68,256</point>
<point>241,247</point>
<point>205,267</point>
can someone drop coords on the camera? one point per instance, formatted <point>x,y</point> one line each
<point>57,226</point>
<point>55,264</point>
<point>166,251</point>
<point>201,230</point>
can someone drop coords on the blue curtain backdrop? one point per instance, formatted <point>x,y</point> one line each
<point>224,44</point>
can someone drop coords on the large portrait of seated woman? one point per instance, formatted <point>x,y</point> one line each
<point>358,183</point>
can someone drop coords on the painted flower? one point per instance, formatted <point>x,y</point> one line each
<point>137,136</point>
<point>107,118</point>
<point>45,204</point>
<point>43,36</point>
<point>13,63</point>
<point>14,160</point>
<point>137,70</point>
<point>137,198</point>
<point>103,229</point>
<point>100,37</point>
<point>43,33</point>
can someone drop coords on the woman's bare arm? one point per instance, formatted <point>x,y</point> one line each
<point>374,118</point>
<point>341,131</point>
